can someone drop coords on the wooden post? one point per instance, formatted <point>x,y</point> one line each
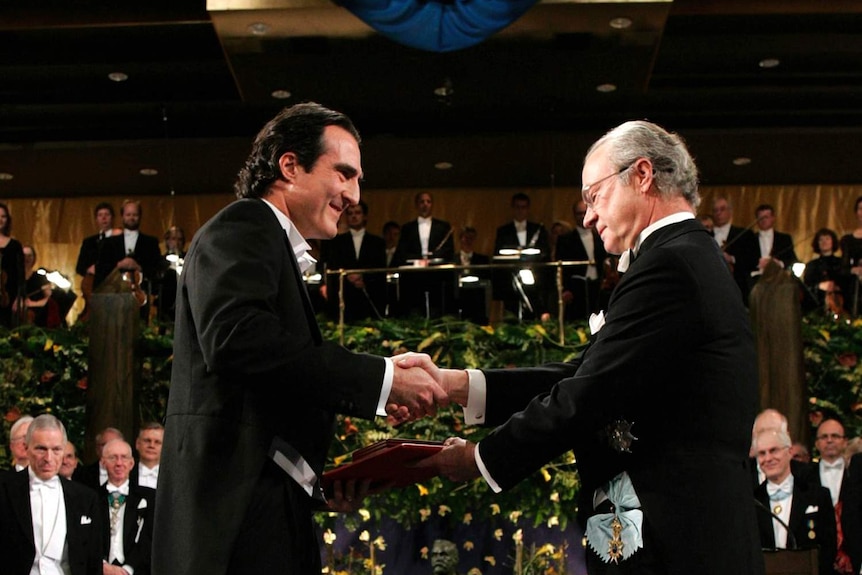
<point>113,374</point>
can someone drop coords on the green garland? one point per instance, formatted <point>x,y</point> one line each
<point>46,371</point>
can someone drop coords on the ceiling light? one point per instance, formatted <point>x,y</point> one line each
<point>280,94</point>
<point>769,63</point>
<point>118,76</point>
<point>6,176</point>
<point>620,23</point>
<point>443,165</point>
<point>149,172</point>
<point>606,88</point>
<point>258,29</point>
<point>741,161</point>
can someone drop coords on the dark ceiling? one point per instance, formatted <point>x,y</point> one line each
<point>523,105</point>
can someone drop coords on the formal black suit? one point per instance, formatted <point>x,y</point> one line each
<point>137,527</point>
<point>675,358</point>
<point>782,249</point>
<point>585,292</point>
<point>83,526</point>
<point>113,249</point>
<point>742,245</point>
<point>341,254</point>
<point>812,521</point>
<point>250,366</point>
<point>536,237</point>
<point>438,286</point>
<point>851,514</point>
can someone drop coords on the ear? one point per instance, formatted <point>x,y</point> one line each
<point>643,174</point>
<point>288,165</point>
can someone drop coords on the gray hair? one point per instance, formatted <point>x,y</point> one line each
<point>780,434</point>
<point>46,421</point>
<point>22,421</point>
<point>674,170</point>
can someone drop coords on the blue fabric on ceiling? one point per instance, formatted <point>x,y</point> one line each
<point>438,25</point>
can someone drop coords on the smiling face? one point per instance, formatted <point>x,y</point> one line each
<point>316,198</point>
<point>617,209</point>
<point>772,456</point>
<point>117,461</point>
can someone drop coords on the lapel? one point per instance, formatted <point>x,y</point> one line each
<point>73,516</point>
<point>130,521</point>
<point>801,500</point>
<point>306,300</point>
<point>19,495</point>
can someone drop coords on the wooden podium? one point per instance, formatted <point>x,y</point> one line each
<point>791,561</point>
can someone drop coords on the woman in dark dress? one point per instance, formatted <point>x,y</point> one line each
<point>825,276</point>
<point>851,251</point>
<point>11,269</point>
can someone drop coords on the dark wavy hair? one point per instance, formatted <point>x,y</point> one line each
<point>815,243</point>
<point>8,229</point>
<point>297,129</point>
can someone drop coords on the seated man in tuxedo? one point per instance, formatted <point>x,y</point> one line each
<point>127,514</point>
<point>802,506</point>
<point>149,448</point>
<point>94,475</point>
<point>48,524</point>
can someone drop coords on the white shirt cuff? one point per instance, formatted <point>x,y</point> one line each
<point>386,388</point>
<point>484,471</point>
<point>474,411</point>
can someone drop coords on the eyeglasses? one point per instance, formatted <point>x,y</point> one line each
<point>772,451</point>
<point>589,193</point>
<point>835,436</point>
<point>114,458</point>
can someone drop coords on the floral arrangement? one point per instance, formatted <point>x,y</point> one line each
<point>46,371</point>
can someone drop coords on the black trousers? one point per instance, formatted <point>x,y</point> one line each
<point>277,534</point>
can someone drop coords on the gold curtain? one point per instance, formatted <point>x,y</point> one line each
<point>56,226</point>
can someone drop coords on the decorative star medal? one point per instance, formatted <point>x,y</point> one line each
<point>811,533</point>
<point>620,436</point>
<point>616,545</point>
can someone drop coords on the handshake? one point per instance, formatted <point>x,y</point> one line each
<point>419,387</point>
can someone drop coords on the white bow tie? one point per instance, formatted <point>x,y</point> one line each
<point>839,464</point>
<point>53,483</point>
<point>146,472</point>
<point>625,261</point>
<point>123,489</point>
<point>781,491</point>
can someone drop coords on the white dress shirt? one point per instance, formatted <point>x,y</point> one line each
<point>148,477</point>
<point>831,476</point>
<point>130,240</point>
<point>48,509</point>
<point>424,234</point>
<point>117,553</point>
<point>781,508</point>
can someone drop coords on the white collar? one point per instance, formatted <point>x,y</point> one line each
<point>657,225</point>
<point>122,488</point>
<point>358,232</point>
<point>297,242</point>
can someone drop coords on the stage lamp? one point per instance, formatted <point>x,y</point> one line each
<point>527,277</point>
<point>468,279</point>
<point>56,278</point>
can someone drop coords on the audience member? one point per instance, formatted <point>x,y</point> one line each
<point>739,245</point>
<point>18,442</point>
<point>94,475</point>
<point>70,461</point>
<point>520,234</point>
<point>175,251</point>
<point>149,448</point>
<point>805,508</point>
<point>851,253</point>
<point>707,222</point>
<point>444,557</point>
<point>391,235</point>
<point>131,250</point>
<point>48,524</point>
<point>88,255</point>
<point>473,298</point>
<point>426,240</point>
<point>11,270</point>
<point>582,284</point>
<point>41,310</point>
<point>825,276</point>
<point>127,514</point>
<point>364,293</point>
<point>558,228</point>
<point>774,245</point>
<point>799,452</point>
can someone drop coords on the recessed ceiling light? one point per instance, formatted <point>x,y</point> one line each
<point>280,94</point>
<point>606,88</point>
<point>258,29</point>
<point>443,165</point>
<point>118,76</point>
<point>769,63</point>
<point>149,172</point>
<point>741,161</point>
<point>6,176</point>
<point>621,23</point>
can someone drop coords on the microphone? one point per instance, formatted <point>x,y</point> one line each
<point>791,539</point>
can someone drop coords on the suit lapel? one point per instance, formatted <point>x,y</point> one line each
<point>130,522</point>
<point>19,492</point>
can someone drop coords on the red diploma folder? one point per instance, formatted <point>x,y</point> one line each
<point>386,461</point>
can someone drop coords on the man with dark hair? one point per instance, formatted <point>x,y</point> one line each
<point>149,448</point>
<point>774,245</point>
<point>583,284</point>
<point>48,524</point>
<point>131,250</point>
<point>659,494</point>
<point>255,388</point>
<point>364,294</point>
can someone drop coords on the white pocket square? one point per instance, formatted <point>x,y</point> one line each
<point>812,509</point>
<point>85,520</point>
<point>142,504</point>
<point>597,320</point>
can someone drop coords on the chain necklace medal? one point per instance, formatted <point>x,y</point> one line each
<point>117,501</point>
